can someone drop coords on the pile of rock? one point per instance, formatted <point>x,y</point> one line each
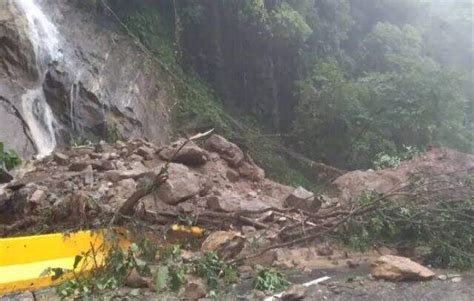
<point>95,179</point>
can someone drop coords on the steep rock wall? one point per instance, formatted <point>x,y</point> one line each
<point>101,82</point>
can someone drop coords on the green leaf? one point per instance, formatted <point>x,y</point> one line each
<point>161,278</point>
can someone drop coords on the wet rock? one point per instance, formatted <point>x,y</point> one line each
<point>190,154</point>
<point>396,268</point>
<point>227,244</point>
<point>181,185</point>
<point>61,159</point>
<point>194,290</point>
<point>229,151</point>
<point>303,199</point>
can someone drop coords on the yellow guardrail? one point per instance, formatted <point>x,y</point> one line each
<point>23,260</point>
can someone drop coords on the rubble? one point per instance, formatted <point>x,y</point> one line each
<point>396,268</point>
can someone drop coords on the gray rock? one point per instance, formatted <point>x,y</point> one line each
<point>61,158</point>
<point>229,151</point>
<point>228,203</point>
<point>117,175</point>
<point>181,185</point>
<point>146,152</point>
<point>303,199</point>
<point>190,154</point>
<point>38,197</point>
<point>232,175</point>
<point>194,290</point>
<point>396,268</point>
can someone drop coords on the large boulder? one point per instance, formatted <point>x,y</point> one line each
<point>396,268</point>
<point>181,185</point>
<point>190,154</point>
<point>227,150</point>
<point>303,199</point>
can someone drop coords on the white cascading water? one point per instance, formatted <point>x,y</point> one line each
<point>44,37</point>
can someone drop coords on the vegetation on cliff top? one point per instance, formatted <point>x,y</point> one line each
<point>338,81</point>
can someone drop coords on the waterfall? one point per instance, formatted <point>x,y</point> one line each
<point>44,37</point>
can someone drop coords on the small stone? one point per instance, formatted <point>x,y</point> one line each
<point>37,197</point>
<point>61,158</point>
<point>443,277</point>
<point>194,290</point>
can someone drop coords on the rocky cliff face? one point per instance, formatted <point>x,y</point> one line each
<point>66,75</point>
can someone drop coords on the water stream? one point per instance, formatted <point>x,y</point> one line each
<point>45,39</point>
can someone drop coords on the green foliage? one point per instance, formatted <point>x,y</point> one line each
<point>270,280</point>
<point>213,269</point>
<point>103,278</point>
<point>8,159</point>
<point>446,228</point>
<point>288,24</point>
